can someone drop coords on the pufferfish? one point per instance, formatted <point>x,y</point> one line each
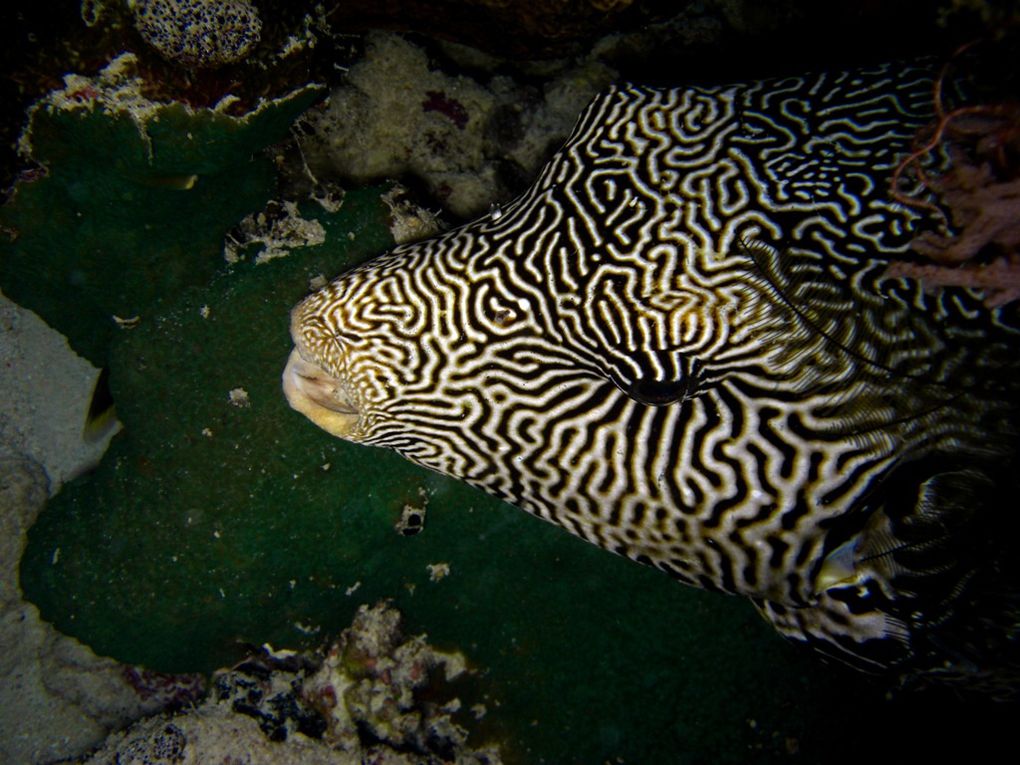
<point>680,345</point>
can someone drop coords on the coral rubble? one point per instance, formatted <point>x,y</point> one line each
<point>372,696</point>
<point>470,142</point>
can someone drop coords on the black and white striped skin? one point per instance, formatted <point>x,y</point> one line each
<point>678,345</point>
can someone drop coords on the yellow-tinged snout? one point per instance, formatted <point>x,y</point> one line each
<point>318,396</point>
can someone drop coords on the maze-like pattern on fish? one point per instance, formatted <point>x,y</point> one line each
<point>678,343</point>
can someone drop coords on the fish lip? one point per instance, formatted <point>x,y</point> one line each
<point>319,396</point>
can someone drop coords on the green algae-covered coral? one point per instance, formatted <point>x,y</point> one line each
<point>130,202</point>
<point>207,439</point>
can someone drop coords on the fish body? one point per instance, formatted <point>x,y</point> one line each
<point>679,345</point>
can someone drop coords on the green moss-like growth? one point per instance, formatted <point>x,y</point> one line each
<point>133,203</point>
<point>170,516</point>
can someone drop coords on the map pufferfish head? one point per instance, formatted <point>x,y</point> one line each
<point>341,369</point>
<point>365,353</point>
<point>312,389</point>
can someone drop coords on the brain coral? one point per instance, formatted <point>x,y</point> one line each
<point>198,33</point>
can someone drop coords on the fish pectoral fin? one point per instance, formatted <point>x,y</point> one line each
<point>101,418</point>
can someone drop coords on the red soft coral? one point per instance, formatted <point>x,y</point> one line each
<point>979,195</point>
<point>984,210</point>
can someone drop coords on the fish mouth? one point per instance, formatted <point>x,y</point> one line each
<point>319,396</point>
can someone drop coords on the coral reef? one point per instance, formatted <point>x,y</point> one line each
<point>99,217</point>
<point>470,143</point>
<point>199,33</point>
<point>372,696</point>
<point>374,680</point>
<point>187,555</point>
<point>211,734</point>
<point>277,230</point>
